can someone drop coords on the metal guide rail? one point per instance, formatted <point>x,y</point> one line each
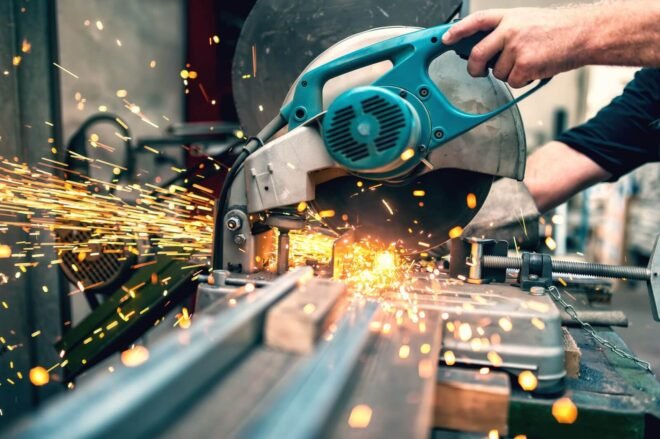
<point>366,374</point>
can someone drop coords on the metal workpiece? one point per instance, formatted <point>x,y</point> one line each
<point>210,294</point>
<point>315,388</point>
<point>141,402</point>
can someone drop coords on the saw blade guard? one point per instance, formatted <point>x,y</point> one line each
<point>411,86</point>
<point>495,147</point>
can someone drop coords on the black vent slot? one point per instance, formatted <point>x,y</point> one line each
<point>339,138</point>
<point>391,120</point>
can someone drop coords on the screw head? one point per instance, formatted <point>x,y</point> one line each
<point>423,92</point>
<point>438,134</point>
<point>240,239</point>
<point>403,93</point>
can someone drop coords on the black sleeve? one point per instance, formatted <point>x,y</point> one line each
<point>625,134</point>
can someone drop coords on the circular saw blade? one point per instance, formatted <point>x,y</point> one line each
<point>417,215</point>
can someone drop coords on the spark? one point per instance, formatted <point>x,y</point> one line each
<point>389,209</point>
<point>506,324</point>
<point>360,416</point>
<point>564,411</point>
<point>254,61</point>
<point>450,358</point>
<point>26,46</point>
<point>66,71</point>
<point>471,200</point>
<point>456,232</point>
<point>522,218</point>
<point>135,356</point>
<point>527,380</point>
<point>39,376</point>
<point>407,154</point>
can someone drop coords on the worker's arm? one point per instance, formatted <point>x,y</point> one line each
<point>556,172</point>
<point>622,136</point>
<point>535,43</point>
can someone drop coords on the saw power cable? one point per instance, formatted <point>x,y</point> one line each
<point>252,145</point>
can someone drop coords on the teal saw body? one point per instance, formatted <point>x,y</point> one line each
<point>357,135</point>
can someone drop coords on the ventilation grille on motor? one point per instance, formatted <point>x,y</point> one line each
<point>341,141</point>
<point>339,137</point>
<point>391,120</point>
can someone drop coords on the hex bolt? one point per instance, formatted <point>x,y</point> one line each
<point>240,239</point>
<point>233,223</point>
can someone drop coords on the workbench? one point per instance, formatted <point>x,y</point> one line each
<point>614,397</point>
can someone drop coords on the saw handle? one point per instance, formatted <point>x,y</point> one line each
<point>410,55</point>
<point>464,47</point>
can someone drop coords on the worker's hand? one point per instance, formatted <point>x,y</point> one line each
<point>532,43</point>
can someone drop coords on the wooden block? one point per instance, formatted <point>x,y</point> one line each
<point>297,321</point>
<point>466,400</point>
<point>572,355</point>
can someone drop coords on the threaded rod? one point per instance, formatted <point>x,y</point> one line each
<point>573,267</point>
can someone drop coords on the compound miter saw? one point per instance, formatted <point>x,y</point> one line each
<point>373,122</point>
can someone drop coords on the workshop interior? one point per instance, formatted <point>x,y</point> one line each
<point>304,218</point>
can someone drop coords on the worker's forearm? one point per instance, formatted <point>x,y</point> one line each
<point>556,172</point>
<point>622,32</point>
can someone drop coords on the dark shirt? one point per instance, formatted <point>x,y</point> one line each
<point>625,134</point>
